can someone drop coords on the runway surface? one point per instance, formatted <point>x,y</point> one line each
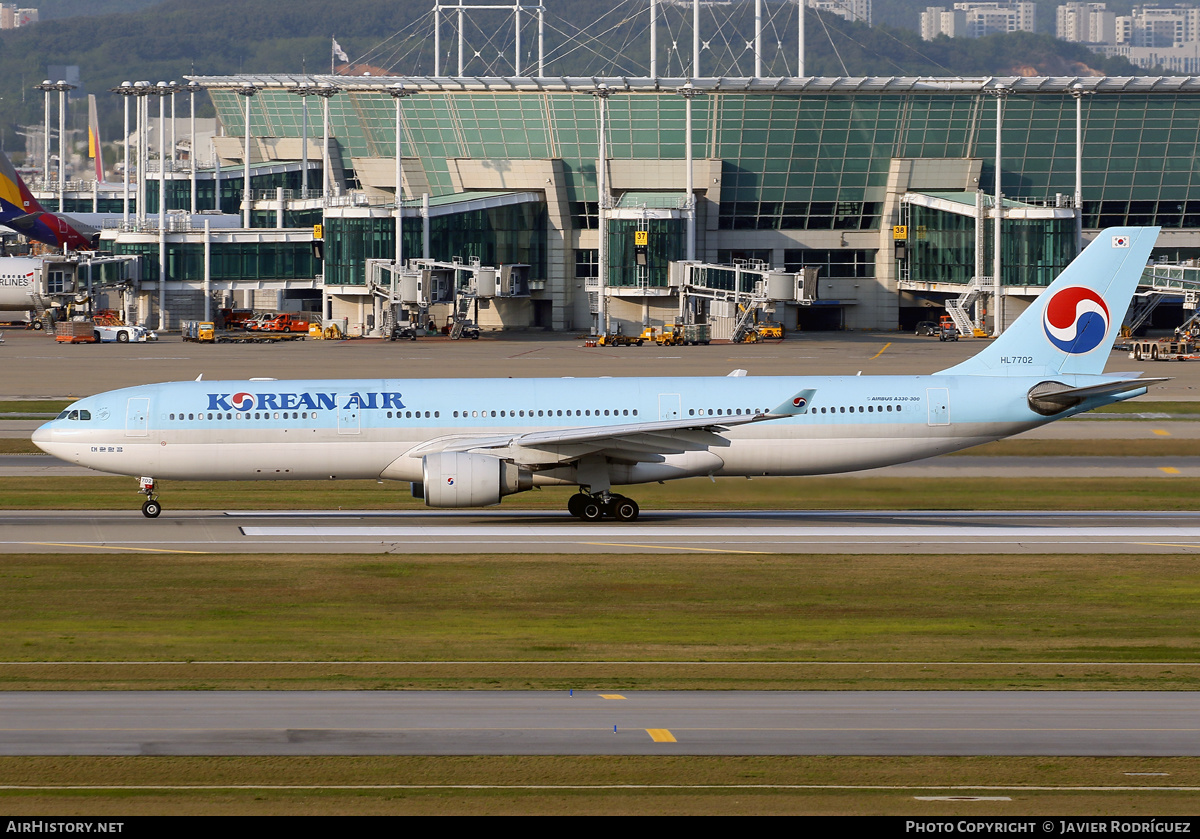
<point>539,722</point>
<point>501,532</point>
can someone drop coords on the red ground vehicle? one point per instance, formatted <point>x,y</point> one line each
<point>234,318</point>
<point>286,323</point>
<point>258,322</point>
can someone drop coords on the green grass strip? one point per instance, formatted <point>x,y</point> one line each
<point>829,493</point>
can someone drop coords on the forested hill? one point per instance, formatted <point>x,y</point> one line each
<point>169,39</point>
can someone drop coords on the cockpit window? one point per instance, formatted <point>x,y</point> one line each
<point>76,415</point>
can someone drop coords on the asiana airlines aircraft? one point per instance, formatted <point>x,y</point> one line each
<point>21,213</point>
<point>469,443</point>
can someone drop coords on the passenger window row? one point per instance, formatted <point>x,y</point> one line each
<point>247,415</point>
<point>724,412</point>
<point>624,412</point>
<point>870,409</point>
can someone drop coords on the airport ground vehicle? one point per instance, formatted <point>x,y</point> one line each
<point>927,328</point>
<point>680,333</point>
<point>256,323</point>
<point>123,334</point>
<point>235,318</point>
<point>510,435</point>
<point>617,339</point>
<point>403,331</point>
<point>75,332</point>
<point>671,336</point>
<point>204,332</point>
<point>948,332</point>
<point>1163,349</point>
<point>696,333</point>
<point>285,322</point>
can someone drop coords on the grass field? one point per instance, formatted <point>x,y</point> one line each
<point>1051,786</point>
<point>558,622</point>
<point>836,493</point>
<point>611,622</point>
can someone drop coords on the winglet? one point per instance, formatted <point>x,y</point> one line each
<point>798,404</point>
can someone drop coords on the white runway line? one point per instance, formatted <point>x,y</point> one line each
<point>651,532</point>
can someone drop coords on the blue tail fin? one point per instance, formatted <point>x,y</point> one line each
<point>1071,327</point>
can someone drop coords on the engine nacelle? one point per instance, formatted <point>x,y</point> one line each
<point>460,479</point>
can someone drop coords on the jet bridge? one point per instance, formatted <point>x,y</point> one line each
<point>455,290</point>
<point>732,298</point>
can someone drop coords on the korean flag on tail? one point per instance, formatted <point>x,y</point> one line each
<point>1120,241</point>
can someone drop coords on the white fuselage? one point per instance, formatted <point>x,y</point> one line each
<point>269,430</point>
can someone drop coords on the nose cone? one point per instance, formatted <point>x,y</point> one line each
<point>43,436</point>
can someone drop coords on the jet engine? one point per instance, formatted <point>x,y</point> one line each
<point>461,479</point>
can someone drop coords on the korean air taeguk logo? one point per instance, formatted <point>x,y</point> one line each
<point>1076,320</point>
<point>242,401</point>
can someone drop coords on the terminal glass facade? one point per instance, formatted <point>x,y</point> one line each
<point>666,242</point>
<point>941,248</point>
<point>790,161</point>
<point>230,261</point>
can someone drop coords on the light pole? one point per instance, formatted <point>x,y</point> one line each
<point>142,90</point>
<point>125,91</point>
<point>46,87</point>
<point>688,92</point>
<point>326,91</point>
<point>1078,92</point>
<point>61,87</point>
<point>304,90</point>
<point>247,92</point>
<point>174,88</point>
<point>163,90</point>
<point>1000,92</point>
<point>602,92</point>
<point>399,93</point>
<point>193,88</point>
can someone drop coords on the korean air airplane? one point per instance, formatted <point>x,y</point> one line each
<point>469,443</point>
<point>21,213</point>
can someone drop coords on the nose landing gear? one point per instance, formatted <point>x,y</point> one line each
<point>596,506</point>
<point>151,508</point>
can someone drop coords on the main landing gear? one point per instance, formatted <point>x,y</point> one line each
<point>151,508</point>
<point>593,507</point>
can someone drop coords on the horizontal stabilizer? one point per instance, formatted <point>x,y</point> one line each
<point>22,223</point>
<point>1049,398</point>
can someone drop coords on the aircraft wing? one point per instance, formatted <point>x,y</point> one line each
<point>627,442</point>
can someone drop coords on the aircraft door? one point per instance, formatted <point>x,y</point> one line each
<point>348,417</point>
<point>938,401</point>
<point>669,406</point>
<point>137,417</point>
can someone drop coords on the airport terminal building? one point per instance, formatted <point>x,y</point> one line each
<point>886,186</point>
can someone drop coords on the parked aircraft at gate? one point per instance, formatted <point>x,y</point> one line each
<point>21,213</point>
<point>468,443</point>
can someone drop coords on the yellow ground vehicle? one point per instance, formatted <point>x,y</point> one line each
<point>199,331</point>
<point>618,339</point>
<point>770,329</point>
<point>671,336</point>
